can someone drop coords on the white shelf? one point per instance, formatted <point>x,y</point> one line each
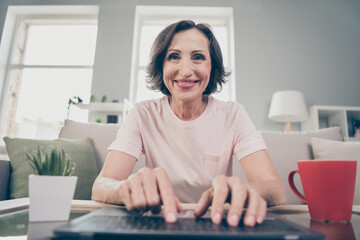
<point>330,116</point>
<point>102,107</point>
<point>103,111</point>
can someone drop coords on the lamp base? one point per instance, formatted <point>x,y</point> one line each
<point>287,127</point>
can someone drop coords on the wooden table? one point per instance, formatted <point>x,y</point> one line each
<point>14,219</point>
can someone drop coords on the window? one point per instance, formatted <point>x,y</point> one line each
<point>51,61</point>
<point>150,21</point>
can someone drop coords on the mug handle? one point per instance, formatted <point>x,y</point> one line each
<point>293,187</point>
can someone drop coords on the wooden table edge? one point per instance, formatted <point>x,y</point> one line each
<point>89,205</point>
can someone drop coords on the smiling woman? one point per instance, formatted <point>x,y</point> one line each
<point>150,21</point>
<point>188,69</point>
<point>189,138</point>
<point>187,53</point>
<point>187,64</point>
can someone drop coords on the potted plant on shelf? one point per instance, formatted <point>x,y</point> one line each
<point>73,101</point>
<point>51,187</point>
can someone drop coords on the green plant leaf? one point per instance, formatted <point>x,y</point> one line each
<point>53,163</point>
<point>34,164</point>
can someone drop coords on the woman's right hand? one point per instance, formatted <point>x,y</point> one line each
<point>147,190</point>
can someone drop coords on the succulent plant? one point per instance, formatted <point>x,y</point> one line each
<point>92,98</point>
<point>75,100</point>
<point>53,164</point>
<point>104,98</point>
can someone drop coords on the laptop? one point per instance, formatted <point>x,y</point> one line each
<point>117,223</point>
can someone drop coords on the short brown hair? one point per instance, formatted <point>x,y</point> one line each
<point>162,42</point>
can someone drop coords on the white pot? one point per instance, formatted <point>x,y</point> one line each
<point>50,197</point>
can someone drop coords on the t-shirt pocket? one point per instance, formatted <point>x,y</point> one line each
<point>214,165</point>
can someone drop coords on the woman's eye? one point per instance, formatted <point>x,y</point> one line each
<point>198,57</point>
<point>173,56</point>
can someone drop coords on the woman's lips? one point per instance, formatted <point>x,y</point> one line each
<point>186,83</point>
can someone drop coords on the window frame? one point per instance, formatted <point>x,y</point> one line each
<point>165,15</point>
<point>66,14</point>
<point>59,20</point>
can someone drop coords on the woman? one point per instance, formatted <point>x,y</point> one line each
<point>189,138</point>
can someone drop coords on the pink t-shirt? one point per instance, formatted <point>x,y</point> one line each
<point>191,152</point>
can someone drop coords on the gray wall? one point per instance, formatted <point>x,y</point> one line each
<point>308,45</point>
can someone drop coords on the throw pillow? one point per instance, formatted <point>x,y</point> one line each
<point>286,148</point>
<point>102,136</point>
<point>337,150</point>
<point>78,150</point>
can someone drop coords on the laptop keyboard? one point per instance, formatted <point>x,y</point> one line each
<point>136,223</point>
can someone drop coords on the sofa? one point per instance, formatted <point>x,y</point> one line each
<point>285,149</point>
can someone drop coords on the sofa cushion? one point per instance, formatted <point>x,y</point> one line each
<point>79,151</point>
<point>4,179</point>
<point>286,148</point>
<point>336,150</point>
<point>102,136</point>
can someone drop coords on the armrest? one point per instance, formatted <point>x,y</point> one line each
<point>4,179</point>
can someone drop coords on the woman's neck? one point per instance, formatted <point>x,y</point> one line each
<point>188,110</point>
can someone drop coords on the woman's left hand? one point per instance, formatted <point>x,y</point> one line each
<point>237,193</point>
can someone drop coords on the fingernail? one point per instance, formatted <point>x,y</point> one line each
<point>259,219</point>
<point>216,218</point>
<point>233,220</point>
<point>170,217</point>
<point>250,220</point>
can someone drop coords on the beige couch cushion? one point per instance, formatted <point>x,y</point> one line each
<point>336,150</point>
<point>101,134</point>
<point>285,149</point>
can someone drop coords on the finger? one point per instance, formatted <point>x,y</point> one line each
<point>124,193</point>
<point>151,190</point>
<point>137,193</point>
<point>167,195</point>
<point>261,212</point>
<point>204,203</point>
<point>178,205</point>
<point>220,194</point>
<point>238,197</point>
<point>254,201</point>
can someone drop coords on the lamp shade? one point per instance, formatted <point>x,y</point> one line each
<point>288,106</point>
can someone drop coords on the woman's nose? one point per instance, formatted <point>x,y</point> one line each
<point>186,67</point>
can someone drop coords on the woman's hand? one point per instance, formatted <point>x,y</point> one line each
<point>237,193</point>
<point>146,190</point>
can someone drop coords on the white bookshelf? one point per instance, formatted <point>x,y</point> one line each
<point>101,110</point>
<point>330,116</point>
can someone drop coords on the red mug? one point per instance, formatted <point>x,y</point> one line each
<point>328,188</point>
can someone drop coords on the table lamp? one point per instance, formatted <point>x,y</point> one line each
<point>288,106</point>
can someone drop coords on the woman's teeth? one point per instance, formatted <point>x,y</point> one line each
<point>186,82</point>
